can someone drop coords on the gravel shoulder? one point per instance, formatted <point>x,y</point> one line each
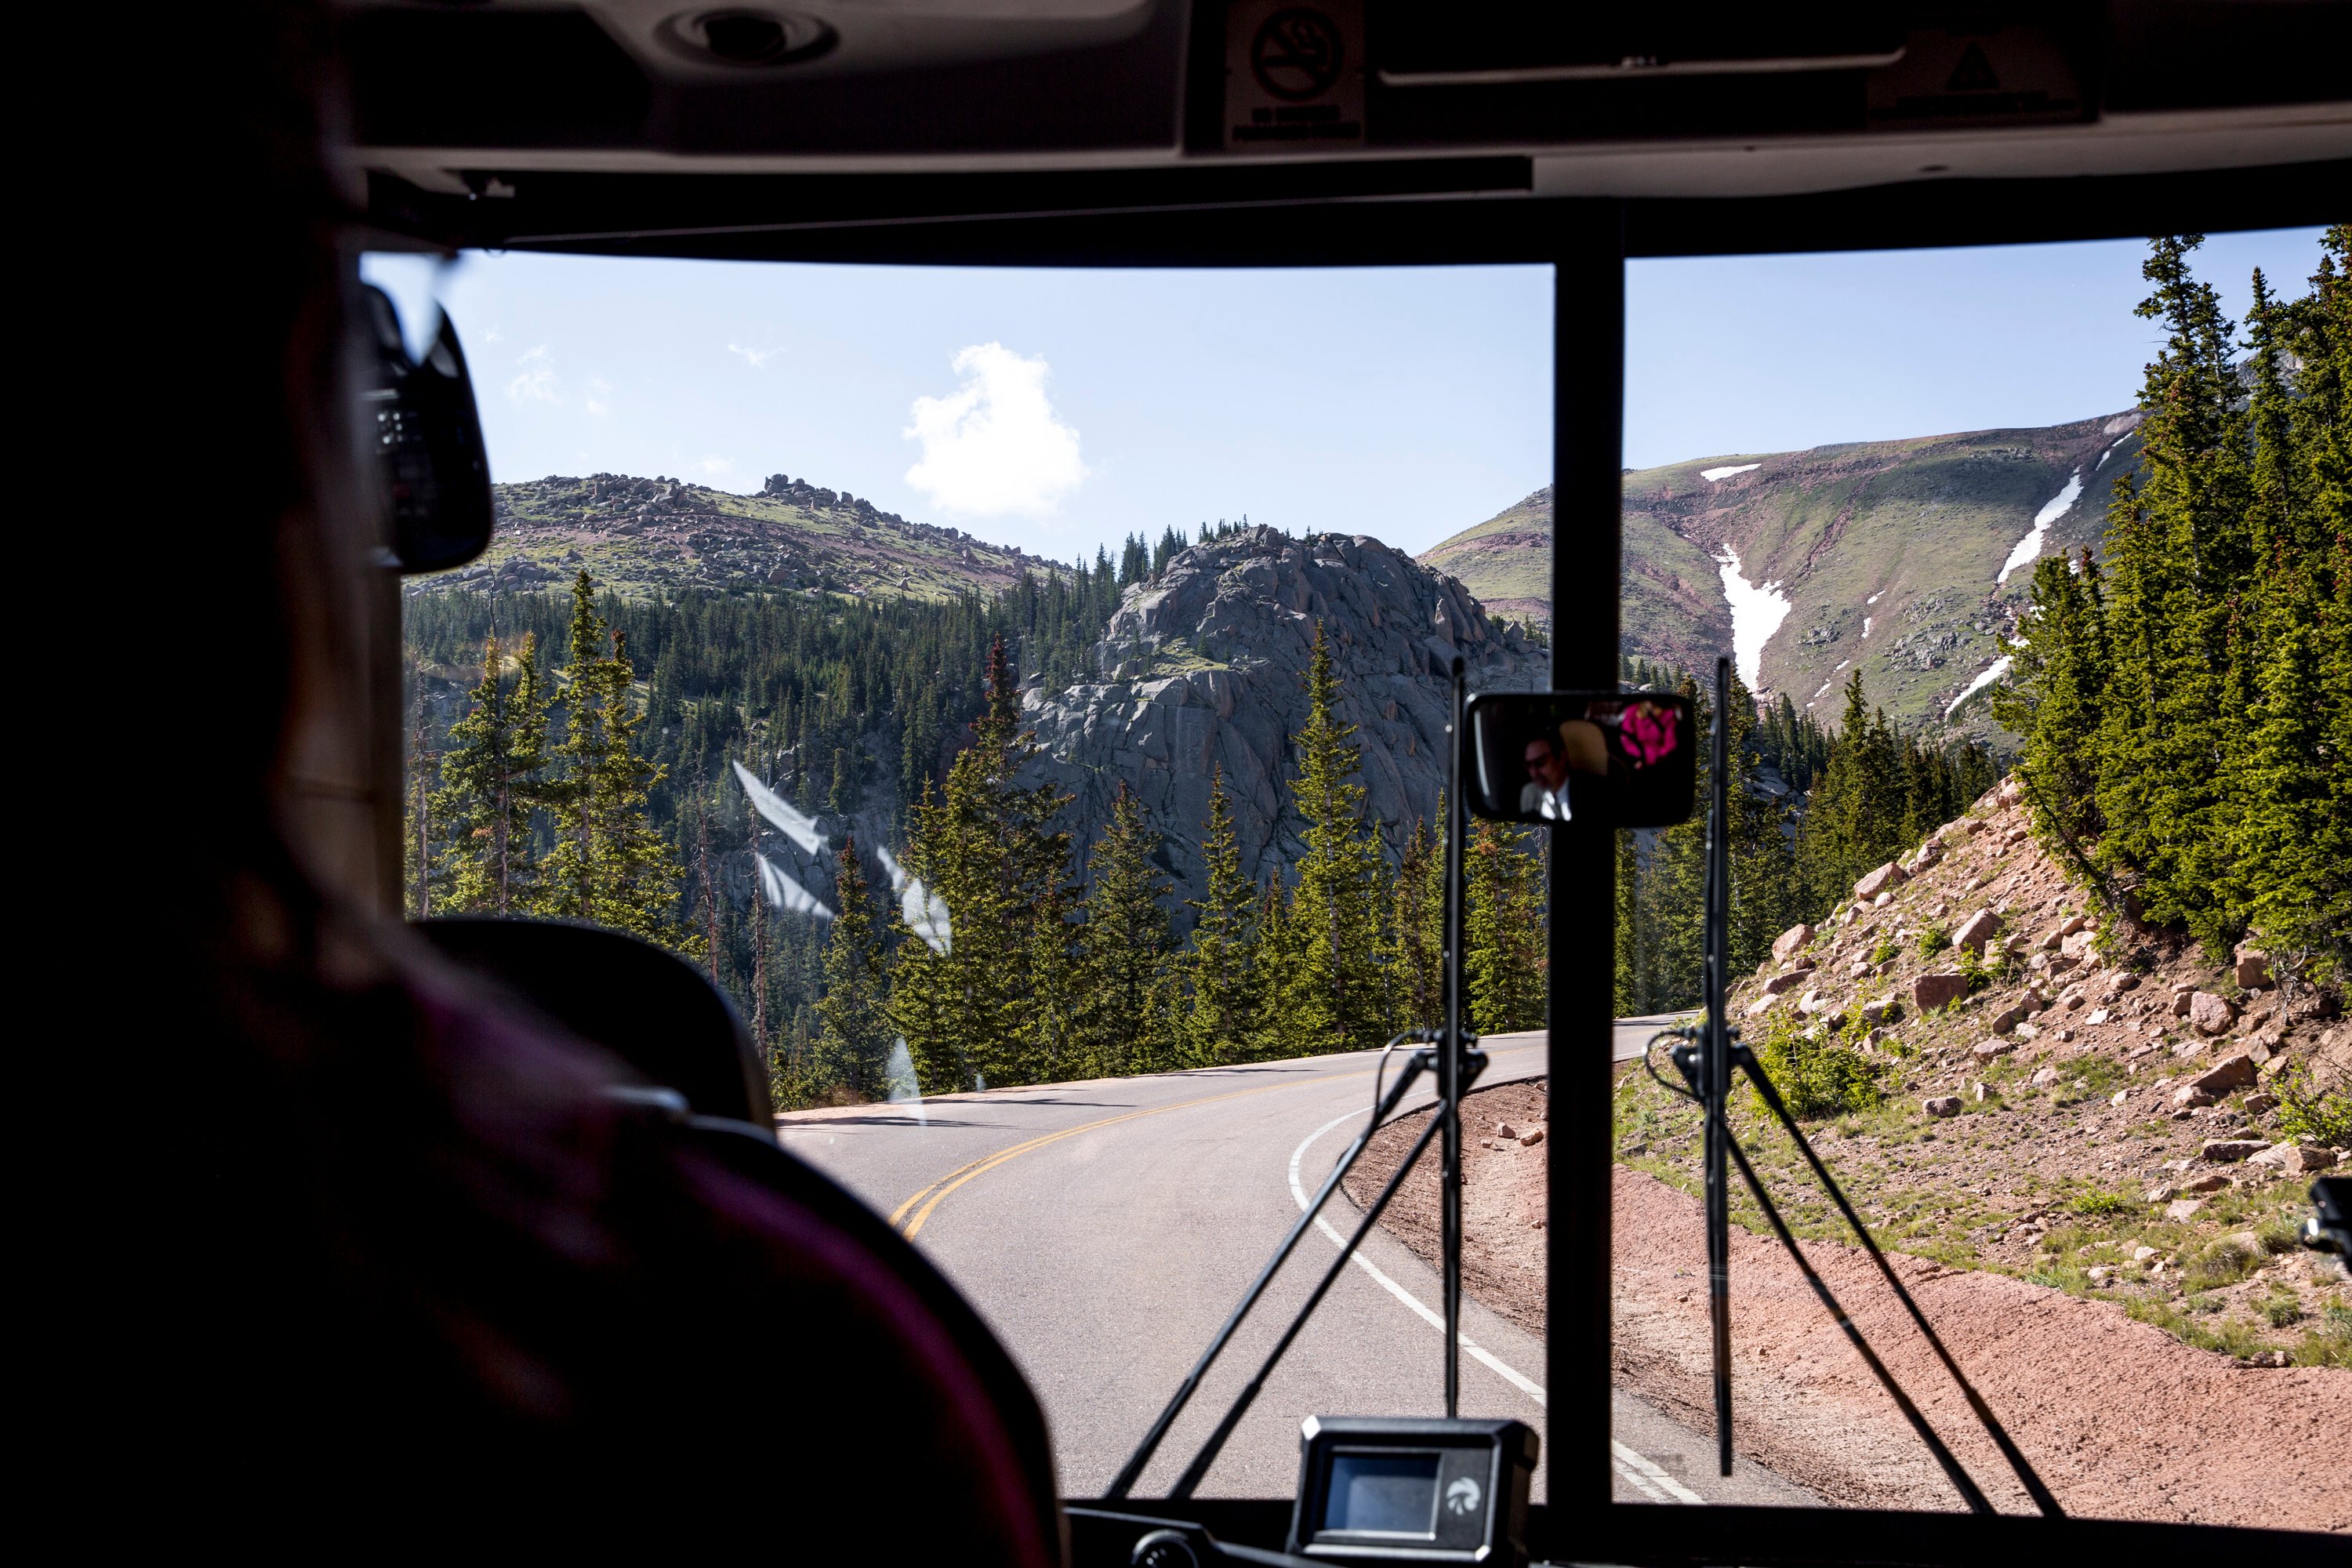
<point>2121,1418</point>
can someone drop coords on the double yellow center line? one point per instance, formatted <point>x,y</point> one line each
<point>920,1205</point>
<point>910,1216</point>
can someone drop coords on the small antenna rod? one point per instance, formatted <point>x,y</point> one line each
<point>1450,1052</point>
<point>1716,1071</point>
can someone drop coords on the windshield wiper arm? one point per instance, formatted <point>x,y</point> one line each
<point>1132,1471</point>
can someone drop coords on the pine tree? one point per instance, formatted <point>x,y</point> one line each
<point>490,785</point>
<point>1416,928</point>
<point>1220,1004</point>
<point>609,865</point>
<point>854,1042</point>
<point>990,1001</point>
<point>1333,998</point>
<point>1503,949</point>
<point>1125,946</point>
<point>2179,555</point>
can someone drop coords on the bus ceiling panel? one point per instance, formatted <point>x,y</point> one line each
<point>2156,144</point>
<point>875,78</point>
<point>1359,213</point>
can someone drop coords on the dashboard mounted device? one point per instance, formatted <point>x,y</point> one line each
<point>1413,1489</point>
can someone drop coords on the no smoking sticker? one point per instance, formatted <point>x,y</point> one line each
<point>1294,73</point>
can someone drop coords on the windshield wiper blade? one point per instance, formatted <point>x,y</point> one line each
<point>1473,1064</point>
<point>2026,1475</point>
<point>1132,1471</point>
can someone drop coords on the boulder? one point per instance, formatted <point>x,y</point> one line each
<point>1816,1002</point>
<point>1786,982</point>
<point>1881,1010</point>
<point>1790,941</point>
<point>2180,1000</point>
<point>1978,929</point>
<point>2259,1104</point>
<point>2230,1151</point>
<point>2046,1079</point>
<point>2230,1073</point>
<point>2009,1017</point>
<point>2211,1014</point>
<point>2205,1181</point>
<point>1938,988</point>
<point>2182,1208</point>
<point>2011,791</point>
<point>2254,969</point>
<point>1762,1004</point>
<point>1884,880</point>
<point>2189,1096</point>
<point>1942,1105</point>
<point>2296,1159</point>
<point>1988,1050</point>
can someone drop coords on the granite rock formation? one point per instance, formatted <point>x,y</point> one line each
<point>1204,668</point>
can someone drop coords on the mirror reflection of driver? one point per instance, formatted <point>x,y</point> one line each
<point>1579,748</point>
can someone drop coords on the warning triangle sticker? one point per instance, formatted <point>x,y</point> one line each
<point>1973,74</point>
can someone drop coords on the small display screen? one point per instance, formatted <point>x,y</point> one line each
<point>1382,1491</point>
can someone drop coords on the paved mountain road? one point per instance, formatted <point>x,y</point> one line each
<point>1106,1228</point>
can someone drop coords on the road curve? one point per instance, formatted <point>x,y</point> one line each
<point>1105,1230</point>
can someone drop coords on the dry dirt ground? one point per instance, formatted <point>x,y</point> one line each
<point>2120,1418</point>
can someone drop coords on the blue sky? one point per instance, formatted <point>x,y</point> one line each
<point>1060,410</point>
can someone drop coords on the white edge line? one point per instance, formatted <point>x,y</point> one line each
<point>1648,1476</point>
<point>1644,1475</point>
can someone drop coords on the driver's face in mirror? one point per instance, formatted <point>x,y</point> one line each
<point>1577,747</point>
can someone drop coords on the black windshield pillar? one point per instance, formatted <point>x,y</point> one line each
<point>1588,442</point>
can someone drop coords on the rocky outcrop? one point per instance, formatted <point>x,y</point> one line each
<point>1204,668</point>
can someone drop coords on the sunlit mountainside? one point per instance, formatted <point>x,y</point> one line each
<point>1887,555</point>
<point>640,536</point>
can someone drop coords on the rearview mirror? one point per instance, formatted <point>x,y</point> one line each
<point>428,441</point>
<point>1618,759</point>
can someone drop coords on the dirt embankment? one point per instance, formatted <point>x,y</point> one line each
<point>2120,1418</point>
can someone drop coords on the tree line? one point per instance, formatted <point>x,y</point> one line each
<point>1811,810</point>
<point>1005,961</point>
<point>2185,696</point>
<point>560,792</point>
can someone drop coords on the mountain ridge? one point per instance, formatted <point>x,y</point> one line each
<point>1922,526</point>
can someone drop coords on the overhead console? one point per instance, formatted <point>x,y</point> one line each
<point>803,129</point>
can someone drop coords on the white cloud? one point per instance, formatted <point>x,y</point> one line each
<point>494,336</point>
<point>755,358</point>
<point>536,382</point>
<point>599,389</point>
<point>715,467</point>
<point>994,445</point>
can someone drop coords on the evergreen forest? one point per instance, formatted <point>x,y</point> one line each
<point>2183,701</point>
<point>2184,696</point>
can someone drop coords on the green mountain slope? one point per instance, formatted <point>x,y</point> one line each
<point>646,537</point>
<point>1888,553</point>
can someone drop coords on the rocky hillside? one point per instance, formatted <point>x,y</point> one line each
<point>1202,670</point>
<point>652,536</point>
<point>2096,1108</point>
<point>1887,555</point>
